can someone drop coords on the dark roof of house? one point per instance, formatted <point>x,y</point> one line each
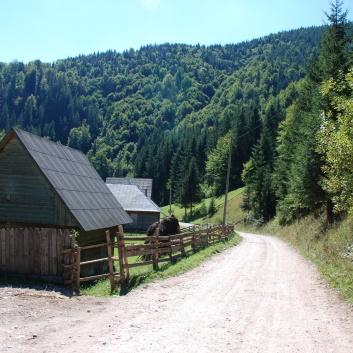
<point>76,181</point>
<point>132,198</point>
<point>145,185</point>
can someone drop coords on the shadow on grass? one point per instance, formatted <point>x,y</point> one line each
<point>148,277</point>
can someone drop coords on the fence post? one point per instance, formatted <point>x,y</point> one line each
<point>155,254</point>
<point>182,250</point>
<point>193,245</point>
<point>72,256</point>
<point>122,257</point>
<point>78,270</point>
<point>110,261</point>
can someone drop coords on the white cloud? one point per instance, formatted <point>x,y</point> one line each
<point>150,4</point>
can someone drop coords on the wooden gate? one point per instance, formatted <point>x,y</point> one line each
<point>73,264</point>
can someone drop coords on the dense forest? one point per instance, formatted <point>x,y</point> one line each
<point>171,112</point>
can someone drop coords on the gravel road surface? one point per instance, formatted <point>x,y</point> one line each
<point>259,296</point>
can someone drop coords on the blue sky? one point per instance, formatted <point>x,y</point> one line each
<point>49,30</point>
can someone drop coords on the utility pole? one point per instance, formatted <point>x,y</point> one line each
<point>227,184</point>
<point>170,199</point>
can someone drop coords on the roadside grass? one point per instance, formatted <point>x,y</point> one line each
<point>329,247</point>
<point>146,274</point>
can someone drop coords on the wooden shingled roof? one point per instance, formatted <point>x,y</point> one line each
<point>76,182</point>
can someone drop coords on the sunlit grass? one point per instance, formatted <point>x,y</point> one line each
<point>329,247</point>
<point>146,274</point>
<point>234,212</point>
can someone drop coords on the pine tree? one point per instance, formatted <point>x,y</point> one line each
<point>190,192</point>
<point>300,190</point>
<point>257,176</point>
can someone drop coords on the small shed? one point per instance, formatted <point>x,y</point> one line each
<point>47,185</point>
<point>142,210</point>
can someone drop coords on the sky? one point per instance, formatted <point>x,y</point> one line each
<point>49,30</point>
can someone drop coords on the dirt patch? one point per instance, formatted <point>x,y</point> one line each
<point>260,296</point>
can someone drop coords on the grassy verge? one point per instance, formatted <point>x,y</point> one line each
<point>145,274</point>
<point>330,248</point>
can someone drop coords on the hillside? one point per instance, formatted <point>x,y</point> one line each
<point>146,113</point>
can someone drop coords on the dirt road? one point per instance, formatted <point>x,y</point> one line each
<point>260,296</point>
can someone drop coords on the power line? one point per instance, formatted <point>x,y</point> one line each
<point>261,125</point>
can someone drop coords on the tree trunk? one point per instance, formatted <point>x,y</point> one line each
<point>329,211</point>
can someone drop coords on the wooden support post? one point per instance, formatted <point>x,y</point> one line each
<point>121,230</point>
<point>155,254</point>
<point>110,261</point>
<point>122,257</point>
<point>78,270</point>
<point>182,250</point>
<point>170,249</point>
<point>72,256</point>
<point>193,245</point>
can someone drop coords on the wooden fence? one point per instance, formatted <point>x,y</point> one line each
<point>50,252</point>
<point>74,267</point>
<point>144,251</point>
<point>33,251</point>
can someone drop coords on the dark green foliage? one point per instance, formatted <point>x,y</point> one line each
<point>212,207</point>
<point>202,209</point>
<point>188,188</point>
<point>298,171</point>
<point>158,112</point>
<point>257,175</point>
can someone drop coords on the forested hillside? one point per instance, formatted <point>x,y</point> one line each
<point>167,111</point>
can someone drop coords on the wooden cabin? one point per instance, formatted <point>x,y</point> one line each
<point>142,210</point>
<point>47,185</point>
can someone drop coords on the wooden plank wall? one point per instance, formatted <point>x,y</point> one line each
<point>33,251</point>
<point>27,197</point>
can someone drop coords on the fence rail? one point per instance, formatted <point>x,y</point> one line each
<point>50,252</point>
<point>145,251</point>
<point>75,266</point>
